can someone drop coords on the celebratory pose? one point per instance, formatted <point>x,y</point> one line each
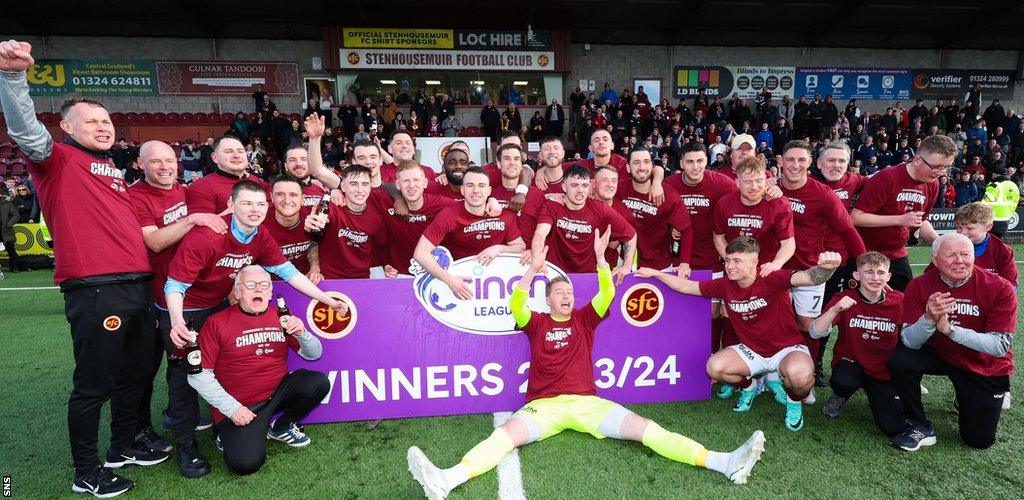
<point>869,320</point>
<point>245,378</point>
<point>560,393</point>
<point>761,311</point>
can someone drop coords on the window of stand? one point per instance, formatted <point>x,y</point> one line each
<point>476,89</point>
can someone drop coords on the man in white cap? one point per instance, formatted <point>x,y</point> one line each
<point>742,146</point>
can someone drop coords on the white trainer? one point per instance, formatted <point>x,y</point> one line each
<point>427,474</point>
<point>742,459</point>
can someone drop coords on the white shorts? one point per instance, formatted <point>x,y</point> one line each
<point>759,365</point>
<point>714,276</point>
<point>807,300</point>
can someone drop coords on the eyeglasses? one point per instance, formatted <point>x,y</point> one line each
<point>933,167</point>
<point>251,285</point>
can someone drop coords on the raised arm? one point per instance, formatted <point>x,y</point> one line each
<point>606,287</point>
<point>315,129</point>
<point>19,110</point>
<point>827,264</point>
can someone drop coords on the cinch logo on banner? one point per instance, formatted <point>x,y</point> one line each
<point>488,313</point>
<point>408,348</point>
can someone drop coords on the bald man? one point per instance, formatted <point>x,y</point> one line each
<point>159,202</point>
<point>958,321</point>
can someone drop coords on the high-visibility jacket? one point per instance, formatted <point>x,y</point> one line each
<point>1003,197</point>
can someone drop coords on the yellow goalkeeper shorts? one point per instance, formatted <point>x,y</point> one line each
<point>593,415</point>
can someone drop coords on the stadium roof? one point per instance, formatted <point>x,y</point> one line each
<point>900,24</point>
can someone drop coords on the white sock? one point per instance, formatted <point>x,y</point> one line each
<point>718,461</point>
<point>455,476</point>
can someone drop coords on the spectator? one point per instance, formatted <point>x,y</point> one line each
<point>268,108</point>
<point>433,127</point>
<point>447,108</point>
<point>867,150</point>
<point>946,195</point>
<point>122,155</point>
<point>966,189</point>
<point>258,98</point>
<point>240,128</point>
<point>348,114</point>
<point>975,166</point>
<point>979,181</point>
<point>871,167</point>
<point>511,119</point>
<point>206,157</point>
<point>326,106</point>
<point>537,125</point>
<point>260,128</point>
<point>994,115</point>
<point>312,106</point>
<point>374,124</point>
<point>331,155</point>
<point>190,161</point>
<point>609,95</point>
<point>830,116</point>
<point>9,216</point>
<point>918,112</point>
<point>282,131</point>
<point>978,130</point>
<point>1002,140</point>
<point>976,147</point>
<point>555,117</point>
<point>852,112</point>
<point>885,157</point>
<point>765,137</point>
<point>490,119</point>
<point>452,126</point>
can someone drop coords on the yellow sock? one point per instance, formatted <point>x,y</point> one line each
<point>674,446</point>
<point>487,453</point>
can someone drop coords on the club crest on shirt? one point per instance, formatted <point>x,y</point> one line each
<point>111,323</point>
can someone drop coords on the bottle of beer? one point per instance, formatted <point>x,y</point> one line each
<point>177,354</point>
<point>283,313</point>
<point>193,358</point>
<point>321,210</point>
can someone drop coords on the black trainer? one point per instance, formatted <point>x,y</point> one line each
<point>101,482</point>
<point>137,456</point>
<point>819,378</point>
<point>204,422</point>
<point>148,439</point>
<point>191,462</point>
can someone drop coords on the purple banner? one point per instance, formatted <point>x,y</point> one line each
<point>391,358</point>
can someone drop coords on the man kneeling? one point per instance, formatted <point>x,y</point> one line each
<point>761,312</point>
<point>244,350</point>
<point>560,393</point>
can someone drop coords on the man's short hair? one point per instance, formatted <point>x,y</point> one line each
<point>692,147</point>
<point>506,147</point>
<point>577,172</point>
<point>245,185</point>
<point>596,131</point>
<point>939,144</point>
<point>364,143</point>
<point>284,178</point>
<point>70,103</point>
<point>836,145</point>
<point>750,164</point>
<point>293,146</point>
<point>797,144</point>
<point>549,138</point>
<point>246,270</point>
<point>509,133</point>
<point>554,281</point>
<point>401,132</point>
<point>355,169</point>
<point>743,244</point>
<point>943,238</point>
<point>974,213</point>
<point>408,165</point>
<point>217,141</point>
<point>872,259</point>
<point>637,149</point>
<point>476,170</point>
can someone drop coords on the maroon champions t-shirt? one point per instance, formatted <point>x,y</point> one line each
<point>768,222</point>
<point>90,215</point>
<point>701,200</point>
<point>311,194</point>
<point>761,314</point>
<point>465,234</point>
<point>868,333</point>
<point>247,353</point>
<point>347,246</point>
<point>159,207</point>
<point>404,233</point>
<point>571,240</point>
<point>654,225</point>
<point>986,303</point>
<point>526,216</point>
<point>847,188</point>
<point>560,354</point>
<point>433,187</point>
<point>294,241</point>
<point>209,261</point>
<point>210,194</point>
<point>892,191</point>
<point>817,212</point>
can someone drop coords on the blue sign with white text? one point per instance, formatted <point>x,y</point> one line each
<point>854,83</point>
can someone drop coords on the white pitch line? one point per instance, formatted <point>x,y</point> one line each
<point>510,475</point>
<point>26,288</point>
